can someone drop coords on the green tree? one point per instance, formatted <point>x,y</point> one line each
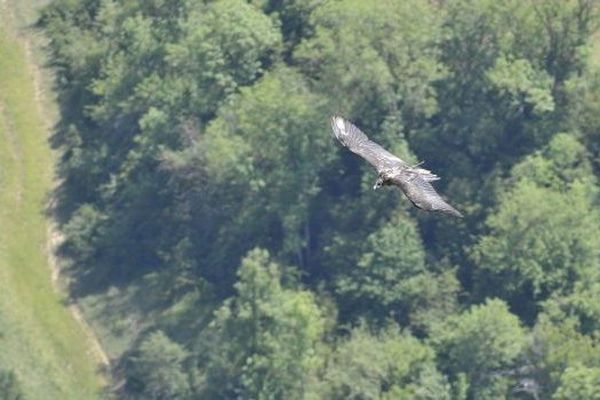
<point>482,344</point>
<point>541,241</point>
<point>497,101</point>
<point>502,98</point>
<point>157,369</point>
<point>392,279</point>
<point>294,18</point>
<point>225,45</point>
<point>386,365</point>
<point>560,163</point>
<point>10,387</point>
<point>264,340</point>
<point>543,236</point>
<point>579,382</point>
<point>152,70</point>
<point>556,346</point>
<point>568,27</point>
<point>373,58</point>
<point>579,304</point>
<point>583,91</point>
<point>263,155</point>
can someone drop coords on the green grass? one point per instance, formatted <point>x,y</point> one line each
<point>39,339</point>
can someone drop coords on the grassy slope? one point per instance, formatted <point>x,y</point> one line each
<point>39,339</point>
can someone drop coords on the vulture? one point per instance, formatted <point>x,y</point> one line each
<point>412,180</point>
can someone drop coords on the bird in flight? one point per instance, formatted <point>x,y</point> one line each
<point>412,180</point>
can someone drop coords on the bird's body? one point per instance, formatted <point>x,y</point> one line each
<point>412,180</point>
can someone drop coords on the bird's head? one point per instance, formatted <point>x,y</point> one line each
<point>378,183</point>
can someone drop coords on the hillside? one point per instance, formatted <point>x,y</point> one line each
<point>223,245</point>
<point>39,338</point>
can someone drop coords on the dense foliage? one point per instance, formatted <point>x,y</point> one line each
<point>10,387</point>
<point>198,172</point>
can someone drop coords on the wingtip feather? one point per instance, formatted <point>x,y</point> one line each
<point>454,212</point>
<point>338,127</point>
<point>338,123</point>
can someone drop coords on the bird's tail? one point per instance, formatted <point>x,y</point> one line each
<point>423,173</point>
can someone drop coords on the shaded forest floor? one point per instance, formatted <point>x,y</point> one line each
<point>48,347</point>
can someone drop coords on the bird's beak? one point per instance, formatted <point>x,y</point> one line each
<point>377,184</point>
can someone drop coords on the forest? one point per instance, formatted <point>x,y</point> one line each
<point>225,246</point>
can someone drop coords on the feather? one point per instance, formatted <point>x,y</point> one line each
<point>358,143</point>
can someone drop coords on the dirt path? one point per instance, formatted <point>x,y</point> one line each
<point>53,235</point>
<point>54,240</point>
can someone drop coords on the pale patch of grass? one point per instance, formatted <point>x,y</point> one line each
<point>39,339</point>
<point>120,315</point>
<point>596,49</point>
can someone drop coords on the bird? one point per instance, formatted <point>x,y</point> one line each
<point>528,385</point>
<point>414,181</point>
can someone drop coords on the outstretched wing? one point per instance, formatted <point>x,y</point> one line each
<point>413,181</point>
<point>420,192</point>
<point>357,142</point>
